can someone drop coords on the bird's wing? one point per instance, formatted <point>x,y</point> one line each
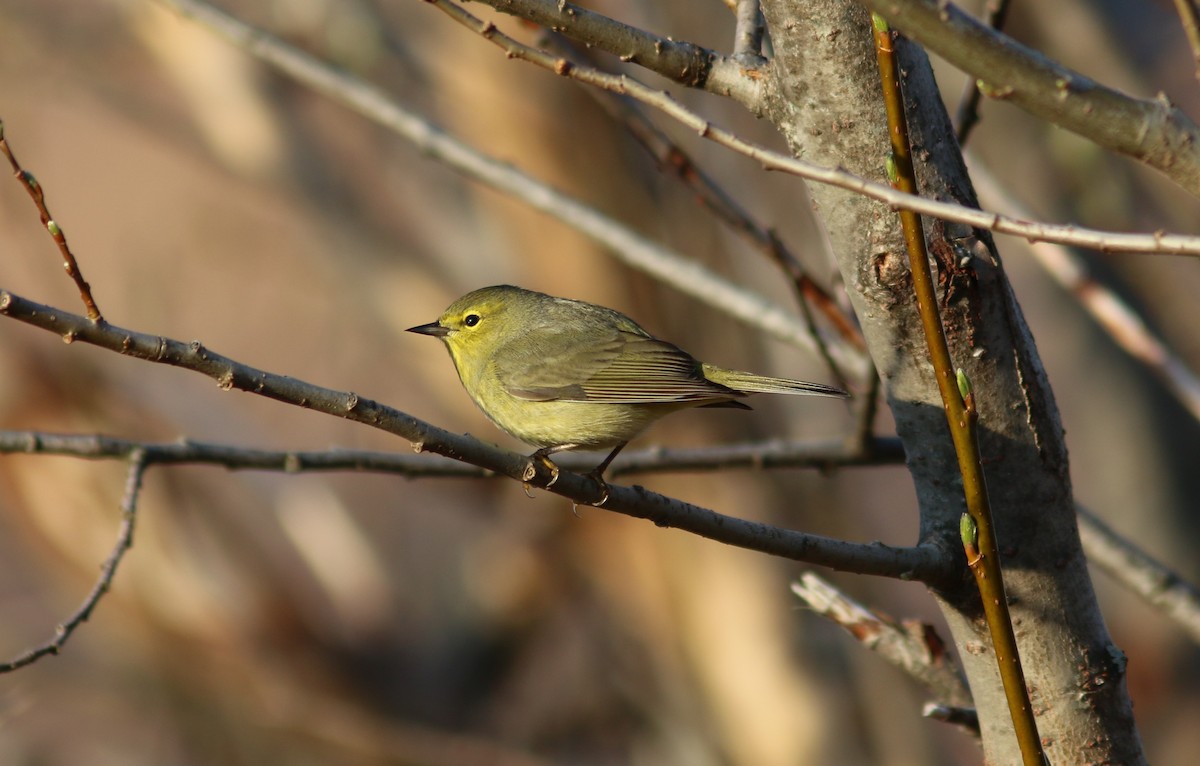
<point>620,367</point>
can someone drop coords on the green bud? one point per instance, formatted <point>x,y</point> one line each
<point>968,531</point>
<point>964,383</point>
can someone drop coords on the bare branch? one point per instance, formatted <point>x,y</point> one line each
<point>1158,242</point>
<point>925,562</point>
<point>748,34</point>
<point>1107,308</point>
<point>1189,18</point>
<point>685,63</point>
<point>188,452</point>
<point>981,545</point>
<point>70,265</point>
<point>1152,131</point>
<point>375,105</point>
<point>672,158</point>
<point>1122,560</point>
<point>133,486</point>
<point>1136,570</point>
<point>912,646</point>
<point>630,247</point>
<point>968,103</point>
<point>812,453</point>
<point>966,717</point>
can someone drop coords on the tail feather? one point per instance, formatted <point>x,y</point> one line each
<point>750,383</point>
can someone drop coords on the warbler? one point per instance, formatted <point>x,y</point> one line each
<point>561,374</point>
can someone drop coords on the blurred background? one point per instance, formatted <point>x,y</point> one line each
<point>359,619</point>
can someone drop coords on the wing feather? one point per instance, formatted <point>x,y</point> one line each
<point>618,366</point>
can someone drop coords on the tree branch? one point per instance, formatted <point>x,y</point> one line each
<point>1127,329</point>
<point>133,486</point>
<point>670,157</point>
<point>632,248</point>
<point>1119,558</point>
<point>1154,132</point>
<point>968,103</point>
<point>38,195</point>
<point>814,453</point>
<point>926,563</point>
<point>1136,570</point>
<point>1189,19</point>
<point>961,418</point>
<point>912,646</point>
<point>685,63</point>
<point>376,105</point>
<point>748,34</point>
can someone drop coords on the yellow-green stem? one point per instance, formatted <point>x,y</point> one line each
<point>960,417</point>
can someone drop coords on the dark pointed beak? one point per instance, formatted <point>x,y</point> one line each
<point>433,328</point>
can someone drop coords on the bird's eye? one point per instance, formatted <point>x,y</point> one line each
<point>470,320</point>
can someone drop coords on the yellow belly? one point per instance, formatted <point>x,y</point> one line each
<point>586,425</point>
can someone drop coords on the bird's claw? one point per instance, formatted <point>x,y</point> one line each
<point>602,486</point>
<point>531,470</point>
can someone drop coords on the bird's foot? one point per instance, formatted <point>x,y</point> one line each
<point>541,456</point>
<point>597,476</point>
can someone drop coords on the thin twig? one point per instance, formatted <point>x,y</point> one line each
<point>672,158</point>
<point>1136,570</point>
<point>629,246</point>
<point>1123,561</point>
<point>1109,310</point>
<point>376,105</point>
<point>748,34</point>
<point>863,437</point>
<point>912,646</point>
<point>133,486</point>
<point>925,563</point>
<point>1157,242</point>
<point>961,417</point>
<point>809,453</point>
<point>994,16</point>
<point>70,265</point>
<point>1189,18</point>
<point>685,63</point>
<point>1154,132</point>
<point>966,717</point>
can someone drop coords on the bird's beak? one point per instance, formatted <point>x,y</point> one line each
<point>433,328</point>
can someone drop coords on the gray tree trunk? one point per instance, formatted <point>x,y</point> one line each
<point>826,100</point>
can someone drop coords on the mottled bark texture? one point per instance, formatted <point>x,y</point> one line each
<point>825,98</point>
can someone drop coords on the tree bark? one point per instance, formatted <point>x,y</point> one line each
<point>825,98</point>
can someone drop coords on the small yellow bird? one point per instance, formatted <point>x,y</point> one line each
<point>561,374</point>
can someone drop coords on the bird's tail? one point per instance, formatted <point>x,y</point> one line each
<point>750,383</point>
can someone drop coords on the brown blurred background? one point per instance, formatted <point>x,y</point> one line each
<point>356,619</point>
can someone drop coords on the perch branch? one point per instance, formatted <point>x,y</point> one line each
<point>925,563</point>
<point>816,453</point>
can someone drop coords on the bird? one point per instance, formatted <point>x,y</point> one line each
<point>562,374</point>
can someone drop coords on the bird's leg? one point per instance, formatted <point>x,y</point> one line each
<point>541,456</point>
<point>597,474</point>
